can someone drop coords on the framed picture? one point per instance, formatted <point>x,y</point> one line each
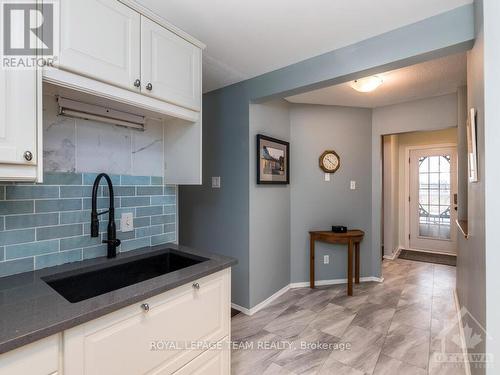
<point>273,161</point>
<point>472,145</point>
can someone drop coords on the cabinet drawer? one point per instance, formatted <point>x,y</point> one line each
<point>211,362</point>
<point>38,358</point>
<point>132,341</point>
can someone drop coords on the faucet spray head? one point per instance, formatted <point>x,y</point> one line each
<point>94,225</point>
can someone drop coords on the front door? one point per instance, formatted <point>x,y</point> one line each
<point>433,186</point>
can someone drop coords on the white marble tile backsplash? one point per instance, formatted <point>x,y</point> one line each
<point>75,145</point>
<point>147,150</point>
<point>58,139</point>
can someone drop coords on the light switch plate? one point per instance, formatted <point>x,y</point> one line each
<point>326,259</point>
<point>127,222</point>
<point>216,182</point>
<point>353,185</point>
<point>327,176</point>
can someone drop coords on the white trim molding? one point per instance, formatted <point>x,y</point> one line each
<point>394,254</point>
<point>463,343</point>
<point>263,304</point>
<point>161,21</point>
<point>303,284</point>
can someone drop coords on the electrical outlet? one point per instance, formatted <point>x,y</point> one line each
<point>327,176</point>
<point>353,185</point>
<point>216,182</point>
<point>326,259</point>
<point>127,222</point>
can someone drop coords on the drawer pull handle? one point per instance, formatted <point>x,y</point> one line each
<point>137,83</point>
<point>145,307</point>
<point>149,87</point>
<point>196,286</point>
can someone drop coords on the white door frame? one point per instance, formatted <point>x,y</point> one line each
<point>407,176</point>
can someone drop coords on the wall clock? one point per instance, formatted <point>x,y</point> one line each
<point>329,161</point>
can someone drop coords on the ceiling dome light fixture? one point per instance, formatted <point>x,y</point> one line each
<point>367,84</point>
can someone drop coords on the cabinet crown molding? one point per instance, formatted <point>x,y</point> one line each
<point>162,22</point>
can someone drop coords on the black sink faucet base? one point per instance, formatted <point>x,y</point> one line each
<point>112,241</point>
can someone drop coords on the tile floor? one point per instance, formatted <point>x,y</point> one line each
<point>399,326</point>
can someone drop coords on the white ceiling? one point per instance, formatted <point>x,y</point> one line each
<point>431,78</point>
<point>246,38</point>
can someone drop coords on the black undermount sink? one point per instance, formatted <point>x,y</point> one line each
<point>82,284</point>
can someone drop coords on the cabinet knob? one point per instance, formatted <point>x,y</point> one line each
<point>145,307</point>
<point>149,87</point>
<point>196,286</point>
<point>137,83</point>
<point>28,156</point>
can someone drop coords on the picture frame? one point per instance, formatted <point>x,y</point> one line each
<point>472,145</point>
<point>273,161</point>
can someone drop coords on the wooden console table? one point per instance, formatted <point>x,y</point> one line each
<point>351,238</point>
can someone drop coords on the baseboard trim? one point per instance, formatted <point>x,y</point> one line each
<point>304,284</point>
<point>335,282</point>
<point>463,343</point>
<point>261,305</point>
<point>394,255</point>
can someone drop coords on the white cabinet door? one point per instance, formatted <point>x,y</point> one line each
<point>38,358</point>
<point>170,65</point>
<point>212,362</point>
<point>18,116</point>
<point>101,39</point>
<point>134,342</point>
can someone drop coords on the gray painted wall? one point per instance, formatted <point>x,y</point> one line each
<point>471,272</point>
<point>317,204</point>
<point>434,113</point>
<point>269,242</point>
<point>492,176</point>
<point>218,220</point>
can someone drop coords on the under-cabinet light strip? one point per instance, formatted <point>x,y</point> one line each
<point>88,116</point>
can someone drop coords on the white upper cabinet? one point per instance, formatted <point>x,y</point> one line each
<point>101,39</point>
<point>170,65</point>
<point>111,42</point>
<point>18,124</point>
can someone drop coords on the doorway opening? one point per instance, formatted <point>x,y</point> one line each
<point>420,192</point>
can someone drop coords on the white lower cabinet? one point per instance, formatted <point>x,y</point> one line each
<point>38,358</point>
<point>211,362</point>
<point>157,339</point>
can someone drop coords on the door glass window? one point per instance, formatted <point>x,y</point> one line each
<point>434,183</point>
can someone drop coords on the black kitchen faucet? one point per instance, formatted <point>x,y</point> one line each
<point>112,241</point>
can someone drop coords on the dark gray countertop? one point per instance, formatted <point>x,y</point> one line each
<point>31,310</point>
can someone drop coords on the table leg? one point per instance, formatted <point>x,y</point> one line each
<point>311,262</point>
<point>349,268</point>
<point>356,263</point>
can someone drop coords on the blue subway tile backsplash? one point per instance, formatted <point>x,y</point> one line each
<point>49,224</point>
